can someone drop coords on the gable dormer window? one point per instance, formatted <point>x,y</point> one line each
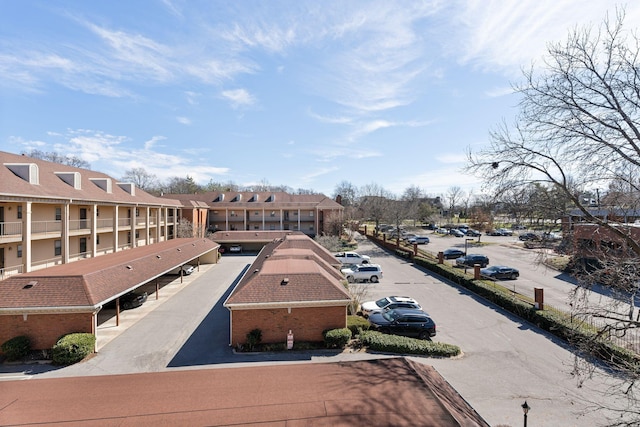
<point>71,178</point>
<point>27,171</point>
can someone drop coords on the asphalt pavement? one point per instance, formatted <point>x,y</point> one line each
<point>505,361</point>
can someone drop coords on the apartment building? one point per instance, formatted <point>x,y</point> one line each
<point>265,211</point>
<point>54,214</point>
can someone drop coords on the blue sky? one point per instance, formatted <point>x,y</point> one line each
<point>299,93</point>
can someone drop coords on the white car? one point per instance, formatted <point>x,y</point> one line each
<point>364,272</point>
<point>352,258</point>
<point>186,270</point>
<point>370,307</point>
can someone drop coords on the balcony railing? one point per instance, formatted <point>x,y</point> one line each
<point>124,222</point>
<point>10,230</point>
<point>10,271</point>
<point>46,227</point>
<point>79,256</point>
<point>105,223</point>
<point>37,265</point>
<point>79,224</point>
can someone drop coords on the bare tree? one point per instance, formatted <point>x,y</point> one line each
<point>454,196</point>
<point>579,127</point>
<point>411,198</point>
<point>141,178</point>
<point>55,157</point>
<point>359,293</point>
<point>374,203</point>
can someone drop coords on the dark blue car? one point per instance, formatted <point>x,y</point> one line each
<point>403,321</point>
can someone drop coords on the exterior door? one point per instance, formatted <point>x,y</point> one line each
<point>83,245</point>
<point>1,220</point>
<point>83,218</point>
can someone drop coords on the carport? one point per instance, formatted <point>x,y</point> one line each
<point>51,302</point>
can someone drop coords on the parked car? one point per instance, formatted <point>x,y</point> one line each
<point>442,231</point>
<point>501,232</point>
<point>352,258</point>
<point>403,321</point>
<point>408,236</point>
<point>132,300</point>
<point>418,240</point>
<point>388,303</point>
<point>473,233</point>
<point>471,260</point>
<point>186,270</point>
<point>529,237</point>
<point>500,272</point>
<point>235,248</point>
<point>453,253</point>
<point>456,232</point>
<point>364,272</point>
<point>551,237</point>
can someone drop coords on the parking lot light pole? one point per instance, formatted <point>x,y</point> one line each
<point>525,409</point>
<point>465,245</point>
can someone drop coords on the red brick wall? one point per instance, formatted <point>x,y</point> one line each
<point>307,324</point>
<point>44,329</point>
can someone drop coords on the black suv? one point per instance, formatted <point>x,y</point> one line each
<point>404,321</point>
<point>471,260</point>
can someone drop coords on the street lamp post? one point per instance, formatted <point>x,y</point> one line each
<point>465,245</point>
<point>525,409</point>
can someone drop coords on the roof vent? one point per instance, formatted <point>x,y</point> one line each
<point>285,281</point>
<point>30,285</point>
<point>255,271</point>
<point>129,267</point>
<point>158,256</point>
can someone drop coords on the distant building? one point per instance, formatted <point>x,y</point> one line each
<point>264,211</point>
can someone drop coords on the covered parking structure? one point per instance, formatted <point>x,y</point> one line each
<point>48,303</point>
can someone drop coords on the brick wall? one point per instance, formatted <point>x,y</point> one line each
<point>307,324</point>
<point>44,329</point>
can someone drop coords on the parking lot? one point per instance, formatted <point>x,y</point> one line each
<point>505,361</point>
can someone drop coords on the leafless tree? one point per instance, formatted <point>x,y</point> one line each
<point>141,178</point>
<point>55,157</point>
<point>374,203</point>
<point>454,196</point>
<point>578,127</point>
<point>359,293</point>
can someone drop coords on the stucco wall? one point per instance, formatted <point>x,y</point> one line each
<point>307,324</point>
<point>44,330</point>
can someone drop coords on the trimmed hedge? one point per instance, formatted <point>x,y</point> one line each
<point>398,344</point>
<point>72,348</point>
<point>16,348</point>
<point>555,322</point>
<point>356,324</point>
<point>337,338</point>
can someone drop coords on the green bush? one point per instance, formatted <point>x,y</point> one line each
<point>357,324</point>
<point>17,347</point>
<point>254,338</point>
<point>398,344</point>
<point>337,338</point>
<point>72,348</point>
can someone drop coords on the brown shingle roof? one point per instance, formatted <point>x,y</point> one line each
<point>287,272</point>
<point>264,199</point>
<point>383,392</point>
<point>53,186</point>
<point>256,236</point>
<point>92,282</point>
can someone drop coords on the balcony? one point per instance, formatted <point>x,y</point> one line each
<point>7,272</point>
<point>105,224</point>
<point>79,226</point>
<point>46,229</point>
<point>10,232</point>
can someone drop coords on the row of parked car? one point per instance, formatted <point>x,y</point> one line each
<point>470,260</point>
<point>399,315</point>
<point>358,268</point>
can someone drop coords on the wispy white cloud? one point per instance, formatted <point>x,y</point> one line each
<point>109,154</point>
<point>239,97</point>
<point>183,120</point>
<point>310,177</point>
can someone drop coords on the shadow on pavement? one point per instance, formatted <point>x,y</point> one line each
<point>209,343</point>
